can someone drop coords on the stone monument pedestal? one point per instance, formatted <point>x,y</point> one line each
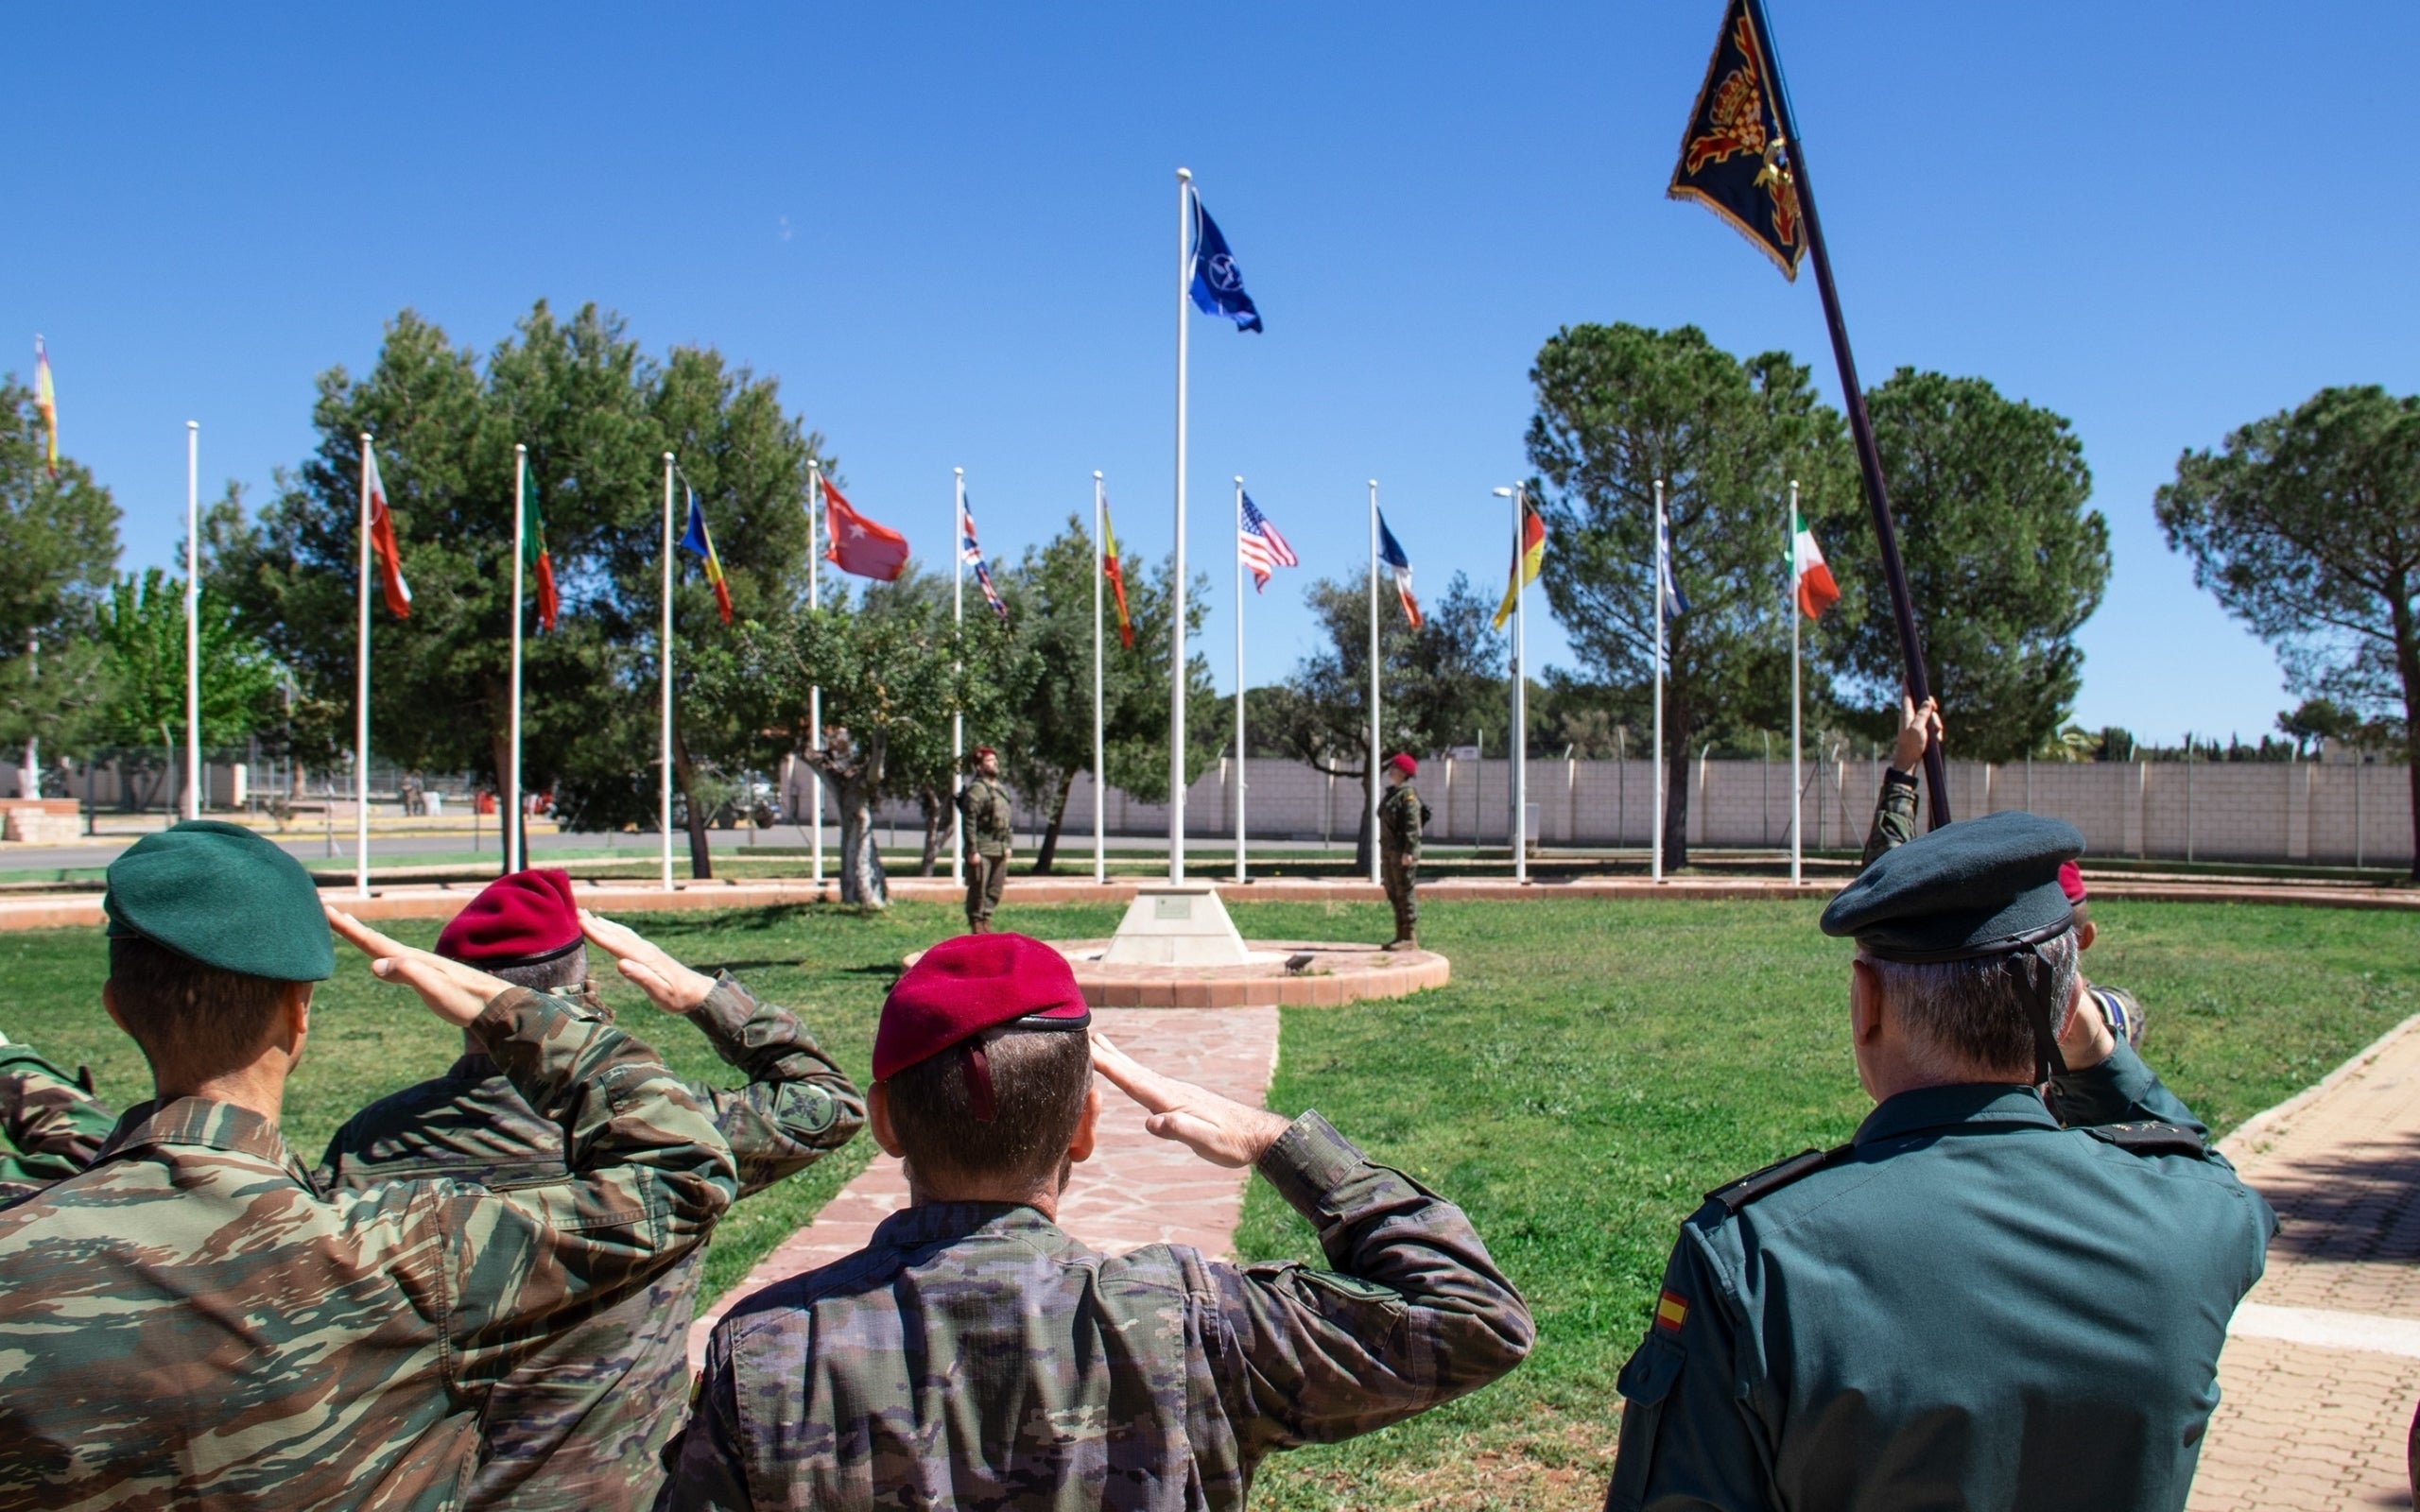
<point>1176,923</point>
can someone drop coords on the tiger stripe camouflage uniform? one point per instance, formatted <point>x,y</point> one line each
<point>974,1355</point>
<point>51,1125</point>
<point>1400,816</point>
<point>205,1329</point>
<point>582,1423</point>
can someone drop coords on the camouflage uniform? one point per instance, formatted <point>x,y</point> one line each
<point>974,1355</point>
<point>990,830</point>
<point>582,1423</point>
<point>1400,816</point>
<point>191,1324</point>
<point>51,1125</point>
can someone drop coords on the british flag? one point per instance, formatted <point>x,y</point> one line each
<point>1260,546</point>
<point>974,555</point>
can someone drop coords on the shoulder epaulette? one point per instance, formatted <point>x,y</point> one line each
<point>2151,1137</point>
<point>1734,1196</point>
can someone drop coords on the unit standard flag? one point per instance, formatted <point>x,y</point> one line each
<point>534,555</point>
<point>1533,556</point>
<point>1260,546</point>
<point>46,400</point>
<point>1735,156</point>
<point>695,539</point>
<point>1391,552</point>
<point>382,546</point>
<point>1218,283</point>
<point>974,555</point>
<point>1114,570</point>
<point>1816,589</point>
<point>856,544</point>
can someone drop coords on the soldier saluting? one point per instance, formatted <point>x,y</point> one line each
<point>1401,814</point>
<point>988,815</point>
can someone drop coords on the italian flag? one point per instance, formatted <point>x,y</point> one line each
<point>398,593</point>
<point>1816,589</point>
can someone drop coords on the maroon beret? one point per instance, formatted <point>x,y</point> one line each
<point>1404,764</point>
<point>964,986</point>
<point>514,921</point>
<point>2071,881</point>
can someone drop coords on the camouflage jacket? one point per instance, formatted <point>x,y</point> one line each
<point>51,1125</point>
<point>191,1324</point>
<point>1400,816</point>
<point>990,817</point>
<point>974,1355</point>
<point>582,1423</point>
<point>1894,816</point>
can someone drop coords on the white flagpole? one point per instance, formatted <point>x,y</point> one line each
<point>192,619</point>
<point>1240,678</point>
<point>1100,781</point>
<point>1520,698</point>
<point>1176,598</point>
<point>958,716</point>
<point>815,694</point>
<point>1656,819</point>
<point>1370,787</point>
<point>515,844</point>
<point>361,701</point>
<point>664,744</point>
<point>1792,610</point>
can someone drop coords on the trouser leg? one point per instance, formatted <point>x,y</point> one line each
<point>1400,893</point>
<point>984,880</point>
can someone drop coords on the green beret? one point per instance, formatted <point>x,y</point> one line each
<point>1977,888</point>
<point>225,897</point>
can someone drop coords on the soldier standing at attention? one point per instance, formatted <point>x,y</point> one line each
<point>1401,815</point>
<point>987,811</point>
<point>51,1125</point>
<point>1967,1305</point>
<point>974,1355</point>
<point>211,1331</point>
<point>580,1424</point>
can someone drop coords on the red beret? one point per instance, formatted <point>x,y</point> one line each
<point>964,986</point>
<point>1404,764</point>
<point>526,916</point>
<point>2072,882</point>
<point>982,751</point>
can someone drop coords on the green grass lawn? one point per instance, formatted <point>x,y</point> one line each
<point>1592,1070</point>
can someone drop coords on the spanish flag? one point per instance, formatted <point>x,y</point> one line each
<point>695,539</point>
<point>1114,570</point>
<point>46,400</point>
<point>1533,556</point>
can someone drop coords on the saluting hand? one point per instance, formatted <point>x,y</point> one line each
<point>454,993</point>
<point>1219,1129</point>
<point>2086,1041</point>
<point>645,965</point>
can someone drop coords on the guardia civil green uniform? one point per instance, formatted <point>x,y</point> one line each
<point>1967,1306</point>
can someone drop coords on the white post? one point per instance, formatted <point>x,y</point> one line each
<point>1520,699</point>
<point>664,785</point>
<point>361,701</point>
<point>1101,779</point>
<point>1370,787</point>
<point>1656,814</point>
<point>815,694</point>
<point>1176,619</point>
<point>1796,850</point>
<point>514,847</point>
<point>1239,678</point>
<point>958,716</point>
<point>193,621</point>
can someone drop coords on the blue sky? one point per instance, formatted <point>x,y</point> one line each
<point>948,230</point>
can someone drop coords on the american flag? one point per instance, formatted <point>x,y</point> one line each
<point>1260,546</point>
<point>974,555</point>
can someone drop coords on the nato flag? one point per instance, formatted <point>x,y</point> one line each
<point>1218,283</point>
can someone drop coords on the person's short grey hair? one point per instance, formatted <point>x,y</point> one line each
<point>570,969</point>
<point>1967,1018</point>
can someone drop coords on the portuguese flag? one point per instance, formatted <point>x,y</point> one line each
<point>534,557</point>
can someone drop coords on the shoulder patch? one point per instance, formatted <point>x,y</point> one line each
<point>2151,1137</point>
<point>1734,1196</point>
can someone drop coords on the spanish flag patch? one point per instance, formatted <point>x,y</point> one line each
<point>1671,1310</point>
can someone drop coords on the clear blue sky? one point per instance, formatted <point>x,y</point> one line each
<point>948,229</point>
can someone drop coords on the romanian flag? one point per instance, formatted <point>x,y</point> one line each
<point>533,552</point>
<point>1817,592</point>
<point>46,400</point>
<point>695,538</point>
<point>381,544</point>
<point>1114,570</point>
<point>1533,555</point>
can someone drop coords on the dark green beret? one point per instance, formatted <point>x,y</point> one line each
<point>1977,887</point>
<point>225,897</point>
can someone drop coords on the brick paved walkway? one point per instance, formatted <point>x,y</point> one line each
<point>1137,1190</point>
<point>2322,1367</point>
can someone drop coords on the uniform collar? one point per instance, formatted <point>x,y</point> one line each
<point>945,1223</point>
<point>1944,1107</point>
<point>196,1121</point>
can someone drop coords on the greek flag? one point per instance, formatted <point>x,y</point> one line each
<point>1668,588</point>
<point>1260,546</point>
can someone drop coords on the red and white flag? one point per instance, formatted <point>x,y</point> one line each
<point>382,546</point>
<point>856,544</point>
<point>1813,580</point>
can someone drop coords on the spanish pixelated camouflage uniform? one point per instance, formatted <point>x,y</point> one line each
<point>1400,816</point>
<point>191,1324</point>
<point>582,1423</point>
<point>991,829</point>
<point>972,1355</point>
<point>51,1125</point>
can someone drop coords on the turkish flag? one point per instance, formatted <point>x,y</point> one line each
<point>858,545</point>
